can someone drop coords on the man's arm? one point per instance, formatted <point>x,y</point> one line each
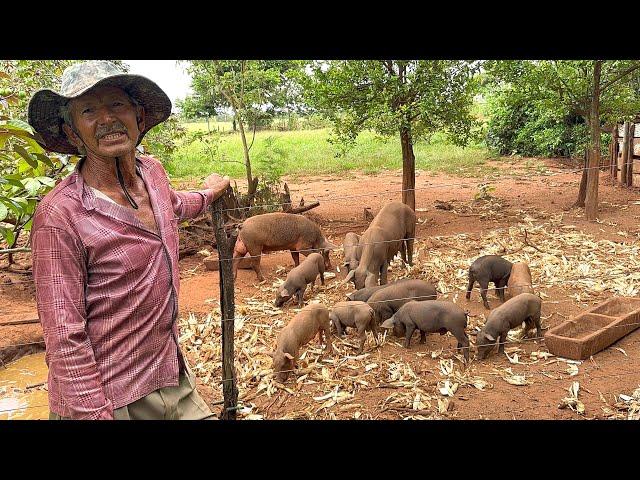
<point>60,277</point>
<point>193,204</point>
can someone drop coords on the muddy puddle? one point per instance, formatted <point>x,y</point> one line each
<point>23,389</point>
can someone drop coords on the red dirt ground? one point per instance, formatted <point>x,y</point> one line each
<point>607,374</point>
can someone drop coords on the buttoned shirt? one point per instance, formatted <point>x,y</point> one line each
<point>107,292</point>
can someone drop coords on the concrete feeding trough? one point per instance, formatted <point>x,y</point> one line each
<point>594,330</point>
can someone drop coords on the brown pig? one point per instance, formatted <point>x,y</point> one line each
<point>387,301</point>
<point>311,320</point>
<point>279,231</point>
<point>354,314</point>
<point>522,308</point>
<point>390,232</point>
<point>365,293</point>
<point>351,251</point>
<point>519,280</point>
<point>299,277</point>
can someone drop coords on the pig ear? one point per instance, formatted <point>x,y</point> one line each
<point>489,337</point>
<point>288,355</point>
<point>349,276</point>
<point>328,245</point>
<point>388,323</point>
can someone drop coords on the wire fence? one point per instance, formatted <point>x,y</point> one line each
<point>349,197</point>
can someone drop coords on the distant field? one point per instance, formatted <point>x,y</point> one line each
<point>307,152</point>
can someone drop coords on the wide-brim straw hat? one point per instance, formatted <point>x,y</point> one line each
<point>44,107</point>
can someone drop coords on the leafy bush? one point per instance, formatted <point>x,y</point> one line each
<point>28,173</point>
<point>520,126</point>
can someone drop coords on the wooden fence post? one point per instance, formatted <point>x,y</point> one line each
<point>613,162</point>
<point>227,310</point>
<point>625,153</point>
<point>632,130</point>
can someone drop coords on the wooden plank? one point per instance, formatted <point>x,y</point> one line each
<point>625,153</point>
<point>19,319</point>
<point>630,156</point>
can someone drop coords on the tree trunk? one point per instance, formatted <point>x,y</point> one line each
<point>632,132</point>
<point>625,153</point>
<point>234,124</point>
<point>253,185</point>
<point>593,174</point>
<point>408,168</point>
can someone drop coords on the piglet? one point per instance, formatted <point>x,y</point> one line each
<point>489,268</point>
<point>351,251</point>
<point>299,277</point>
<point>430,317</point>
<point>354,314</point>
<point>519,280</point>
<point>311,320</point>
<point>522,308</point>
<point>364,294</point>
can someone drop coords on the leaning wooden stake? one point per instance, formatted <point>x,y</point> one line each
<point>227,309</point>
<point>632,131</point>
<point>625,153</point>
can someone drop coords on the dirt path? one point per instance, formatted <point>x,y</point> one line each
<point>390,381</point>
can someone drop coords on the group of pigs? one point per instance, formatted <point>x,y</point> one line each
<point>402,306</point>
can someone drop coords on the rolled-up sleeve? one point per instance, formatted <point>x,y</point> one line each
<point>60,277</point>
<point>190,204</point>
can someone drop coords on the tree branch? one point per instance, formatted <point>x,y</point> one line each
<point>619,77</point>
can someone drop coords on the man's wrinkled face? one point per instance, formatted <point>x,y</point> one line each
<point>106,121</point>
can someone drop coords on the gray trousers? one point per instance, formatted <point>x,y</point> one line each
<point>169,403</point>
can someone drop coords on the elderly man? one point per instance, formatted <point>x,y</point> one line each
<point>105,253</point>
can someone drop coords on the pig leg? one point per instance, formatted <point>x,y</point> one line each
<point>337,325</point>
<point>403,251</point>
<point>472,280</point>
<point>410,251</point>
<point>255,264</point>
<point>484,287</point>
<point>500,288</point>
<point>383,273</point>
<point>535,320</point>
<point>408,334</point>
<point>327,338</point>
<point>423,337</point>
<point>300,295</point>
<point>321,278</point>
<point>363,338</point>
<point>503,339</point>
<point>296,257</point>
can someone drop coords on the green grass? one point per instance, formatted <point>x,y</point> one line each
<point>307,152</point>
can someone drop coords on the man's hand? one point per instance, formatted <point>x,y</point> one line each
<point>216,184</point>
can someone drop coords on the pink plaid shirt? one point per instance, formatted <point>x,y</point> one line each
<point>107,293</point>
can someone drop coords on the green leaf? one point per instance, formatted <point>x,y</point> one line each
<point>3,212</point>
<point>9,236</point>
<point>15,183</point>
<point>44,159</point>
<point>27,226</point>
<point>32,185</point>
<point>49,182</point>
<point>24,154</point>
<point>20,124</point>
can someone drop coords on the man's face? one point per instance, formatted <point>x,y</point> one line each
<point>107,121</point>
